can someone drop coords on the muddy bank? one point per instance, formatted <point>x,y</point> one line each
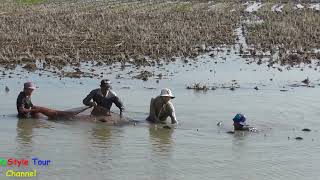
<point>49,36</point>
<point>135,33</point>
<point>288,32</point>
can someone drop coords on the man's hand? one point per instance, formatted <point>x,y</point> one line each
<point>121,111</point>
<point>94,104</point>
<point>174,122</point>
<point>34,110</point>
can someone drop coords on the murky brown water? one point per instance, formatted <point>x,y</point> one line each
<point>197,149</point>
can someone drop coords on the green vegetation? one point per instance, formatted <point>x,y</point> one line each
<point>31,2</point>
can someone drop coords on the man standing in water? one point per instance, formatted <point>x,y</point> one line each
<point>26,109</point>
<point>161,108</point>
<point>102,99</point>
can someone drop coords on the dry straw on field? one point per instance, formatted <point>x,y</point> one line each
<point>64,33</point>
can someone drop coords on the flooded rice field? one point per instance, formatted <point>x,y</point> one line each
<point>196,148</point>
<point>219,59</point>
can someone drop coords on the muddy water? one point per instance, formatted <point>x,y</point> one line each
<point>196,149</point>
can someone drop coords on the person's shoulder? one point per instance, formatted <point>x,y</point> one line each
<point>95,90</point>
<point>159,101</point>
<point>21,95</point>
<point>170,105</point>
<point>112,93</point>
<point>21,98</point>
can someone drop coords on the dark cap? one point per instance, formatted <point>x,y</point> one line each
<point>29,85</point>
<point>105,82</point>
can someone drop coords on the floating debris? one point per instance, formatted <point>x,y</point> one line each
<point>150,88</point>
<point>219,123</point>
<point>306,129</point>
<point>256,88</point>
<point>252,129</point>
<point>230,132</point>
<point>298,138</point>
<point>306,81</point>
<point>198,87</point>
<point>7,89</point>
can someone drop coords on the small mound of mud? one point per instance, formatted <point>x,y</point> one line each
<point>76,74</point>
<point>298,138</point>
<point>304,83</point>
<point>30,67</point>
<point>306,130</point>
<point>144,75</point>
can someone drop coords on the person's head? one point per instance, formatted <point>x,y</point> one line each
<point>166,95</point>
<point>28,88</point>
<point>105,84</point>
<point>239,119</point>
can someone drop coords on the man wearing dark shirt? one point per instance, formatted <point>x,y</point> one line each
<point>26,109</point>
<point>102,98</point>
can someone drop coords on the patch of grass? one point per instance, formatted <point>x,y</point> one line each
<point>182,7</point>
<point>31,2</point>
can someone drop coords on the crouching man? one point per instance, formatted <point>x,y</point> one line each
<point>161,108</point>
<point>26,109</point>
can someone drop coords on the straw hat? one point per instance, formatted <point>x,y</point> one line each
<point>166,93</point>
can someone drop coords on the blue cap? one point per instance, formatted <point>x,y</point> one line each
<point>239,118</point>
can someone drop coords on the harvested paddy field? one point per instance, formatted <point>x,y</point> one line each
<point>57,34</point>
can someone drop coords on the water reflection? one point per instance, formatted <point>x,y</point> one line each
<point>101,134</point>
<point>161,139</point>
<point>25,136</point>
<point>239,143</point>
<point>161,151</point>
<point>24,131</point>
